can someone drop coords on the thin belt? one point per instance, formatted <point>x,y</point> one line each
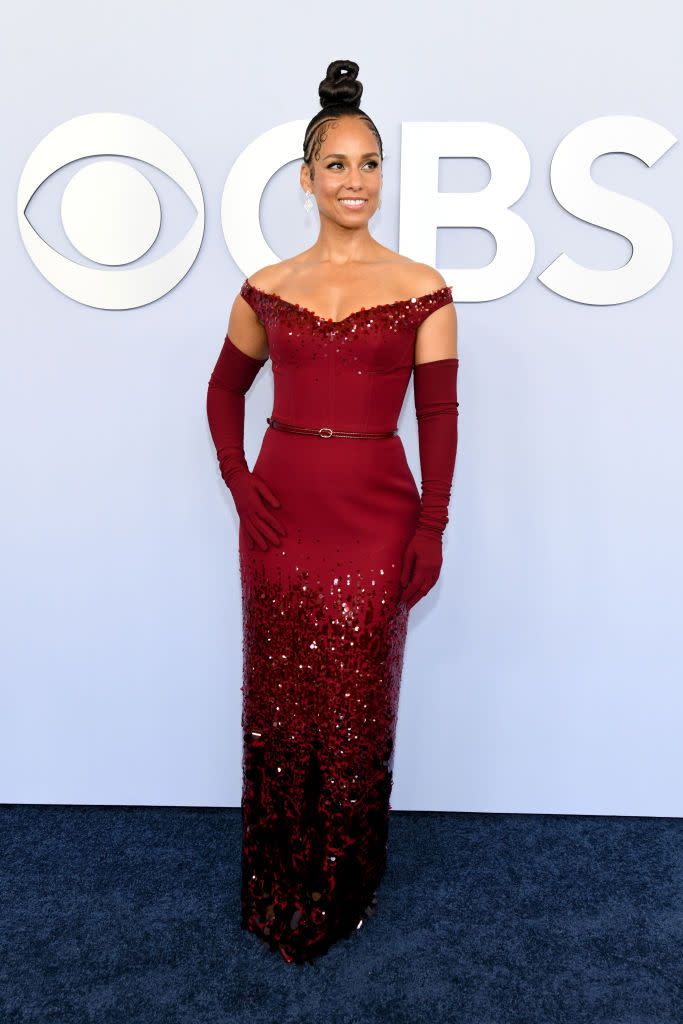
<point>328,431</point>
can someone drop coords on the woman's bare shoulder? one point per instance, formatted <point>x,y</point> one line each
<point>269,278</point>
<point>421,278</point>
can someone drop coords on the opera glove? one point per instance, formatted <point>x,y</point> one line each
<point>436,409</point>
<point>233,375</point>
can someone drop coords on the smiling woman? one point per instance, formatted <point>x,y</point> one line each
<point>336,544</point>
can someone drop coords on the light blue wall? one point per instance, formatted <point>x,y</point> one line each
<point>543,673</point>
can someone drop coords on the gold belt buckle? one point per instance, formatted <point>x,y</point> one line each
<point>326,431</point>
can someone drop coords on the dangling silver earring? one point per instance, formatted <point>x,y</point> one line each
<point>308,202</point>
<point>379,205</point>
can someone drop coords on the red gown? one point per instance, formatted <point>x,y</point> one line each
<point>324,628</point>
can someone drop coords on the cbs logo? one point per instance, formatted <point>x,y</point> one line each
<point>112,215</point>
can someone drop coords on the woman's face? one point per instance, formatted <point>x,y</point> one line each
<point>348,166</point>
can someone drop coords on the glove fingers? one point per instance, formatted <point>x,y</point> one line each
<point>266,529</point>
<point>268,516</point>
<point>427,583</point>
<point>410,596</point>
<point>417,598</point>
<point>254,533</point>
<point>263,488</point>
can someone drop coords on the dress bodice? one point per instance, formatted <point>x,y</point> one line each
<point>350,374</point>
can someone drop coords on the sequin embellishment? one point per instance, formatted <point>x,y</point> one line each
<point>270,306</point>
<point>322,670</point>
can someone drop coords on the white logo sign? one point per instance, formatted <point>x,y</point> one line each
<point>111,212</point>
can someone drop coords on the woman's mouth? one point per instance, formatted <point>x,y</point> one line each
<point>353,204</point>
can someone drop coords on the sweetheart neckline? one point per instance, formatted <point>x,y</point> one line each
<point>356,312</point>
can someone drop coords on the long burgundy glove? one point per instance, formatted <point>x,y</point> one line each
<point>232,377</point>
<point>436,408</point>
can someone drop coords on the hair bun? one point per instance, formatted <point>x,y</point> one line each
<point>340,86</point>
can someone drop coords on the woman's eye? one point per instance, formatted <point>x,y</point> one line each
<point>337,163</point>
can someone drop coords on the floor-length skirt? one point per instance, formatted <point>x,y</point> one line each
<point>324,631</point>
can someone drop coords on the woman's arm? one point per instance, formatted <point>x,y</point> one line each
<point>232,376</point>
<point>435,375</point>
<point>235,371</point>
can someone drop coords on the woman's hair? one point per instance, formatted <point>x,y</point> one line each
<point>340,93</point>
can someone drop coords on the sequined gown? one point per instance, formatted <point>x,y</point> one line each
<point>324,628</point>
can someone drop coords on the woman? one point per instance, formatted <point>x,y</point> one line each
<point>336,544</point>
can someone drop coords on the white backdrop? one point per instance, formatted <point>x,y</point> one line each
<point>542,674</point>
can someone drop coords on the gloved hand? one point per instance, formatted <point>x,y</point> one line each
<point>436,409</point>
<point>421,567</point>
<point>251,493</point>
<point>232,377</point>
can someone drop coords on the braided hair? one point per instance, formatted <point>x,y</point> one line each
<point>340,93</point>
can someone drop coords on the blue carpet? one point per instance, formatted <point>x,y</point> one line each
<point>130,914</point>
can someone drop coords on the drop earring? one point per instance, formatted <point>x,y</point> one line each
<point>308,202</point>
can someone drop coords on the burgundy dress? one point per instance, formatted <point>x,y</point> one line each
<point>323,625</point>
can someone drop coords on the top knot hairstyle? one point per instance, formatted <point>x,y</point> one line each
<point>340,93</point>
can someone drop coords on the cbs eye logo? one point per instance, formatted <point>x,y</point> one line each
<point>110,210</point>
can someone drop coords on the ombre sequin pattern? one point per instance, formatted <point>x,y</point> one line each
<point>324,626</point>
<point>322,667</point>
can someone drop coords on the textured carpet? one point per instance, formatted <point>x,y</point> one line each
<point>113,914</point>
